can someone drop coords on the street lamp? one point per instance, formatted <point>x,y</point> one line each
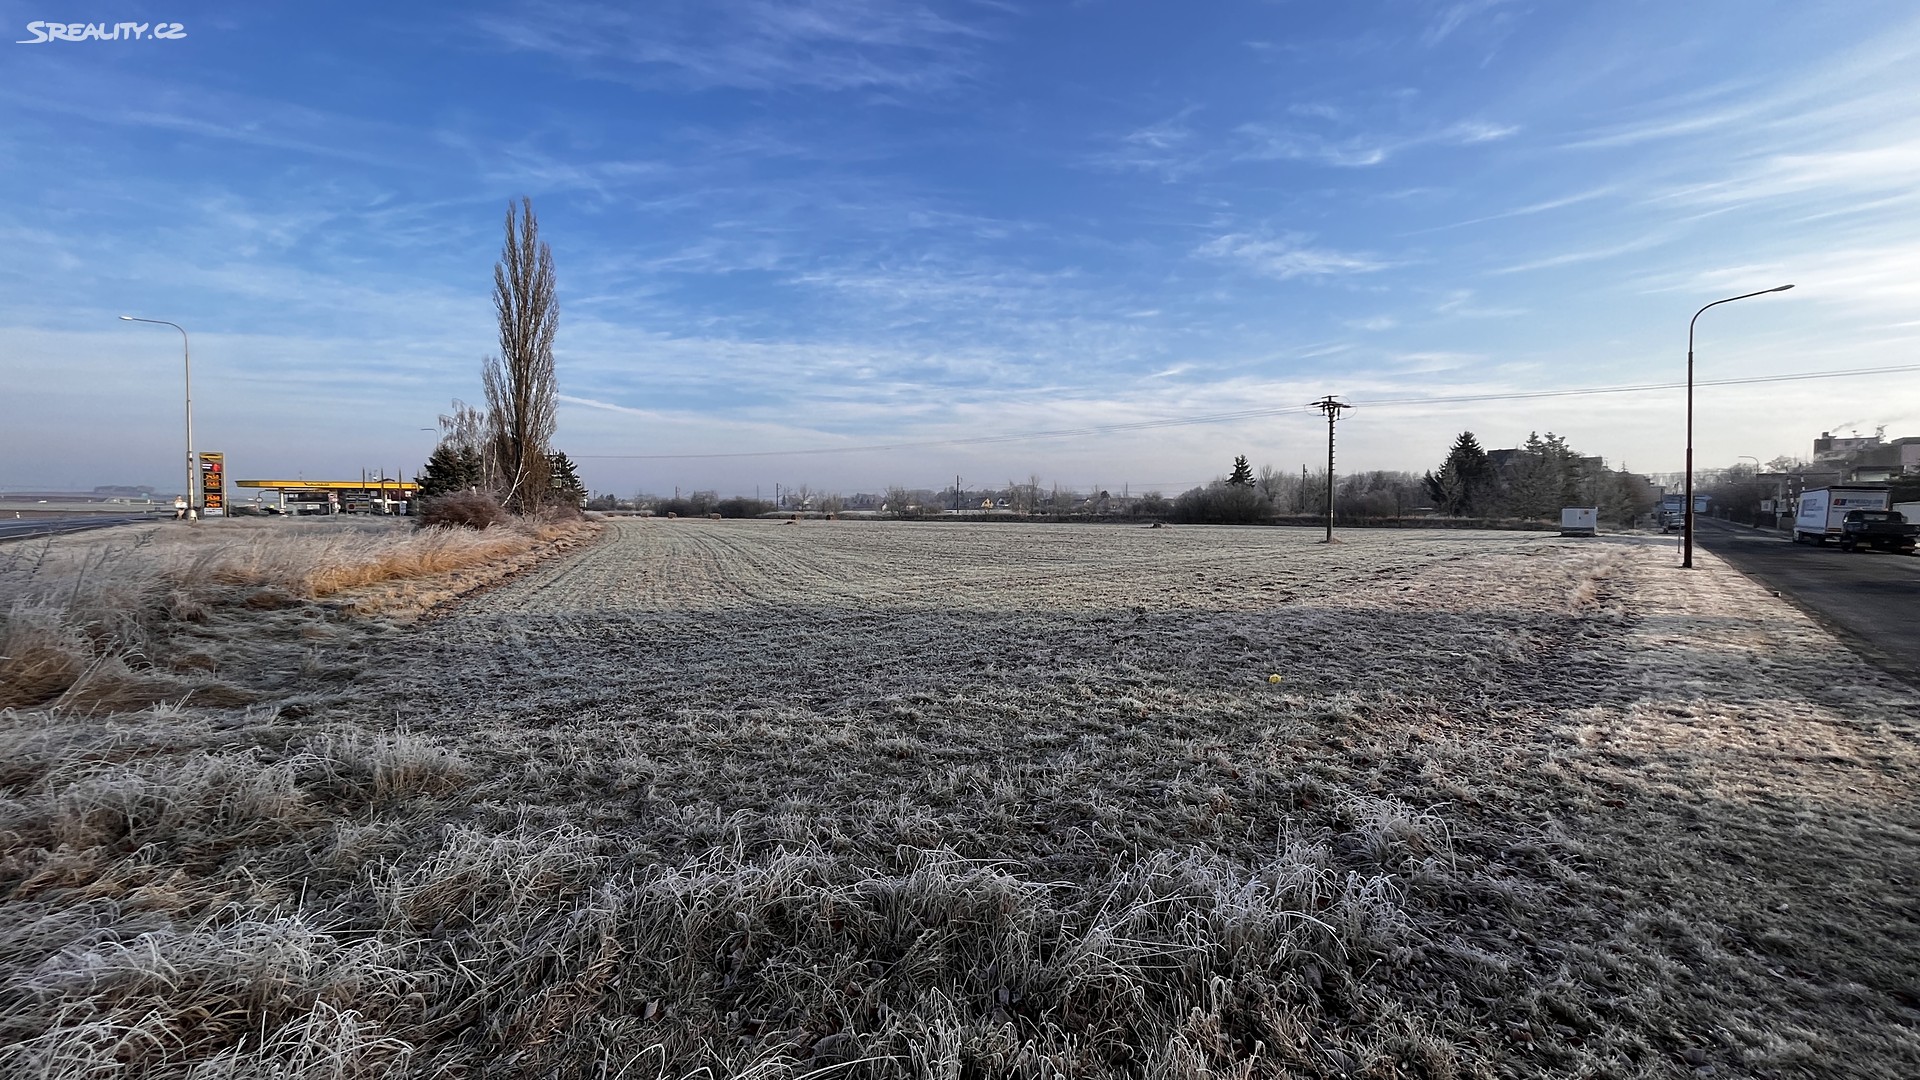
<point>1686,561</point>
<point>1753,515</point>
<point>186,351</point>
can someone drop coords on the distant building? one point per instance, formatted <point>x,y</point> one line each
<point>1876,463</point>
<point>1828,447</point>
<point>1854,459</point>
<point>1863,459</point>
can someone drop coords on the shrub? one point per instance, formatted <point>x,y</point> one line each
<point>465,510</point>
<point>742,507</point>
<point>1222,504</point>
<point>560,511</point>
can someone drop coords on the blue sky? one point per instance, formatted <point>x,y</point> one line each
<point>788,233</point>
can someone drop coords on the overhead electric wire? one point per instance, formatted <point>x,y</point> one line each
<point>1254,414</point>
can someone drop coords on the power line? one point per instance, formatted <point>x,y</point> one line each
<point>1252,414</point>
<point>1794,377</point>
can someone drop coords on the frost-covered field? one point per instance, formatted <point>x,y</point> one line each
<point>945,800</point>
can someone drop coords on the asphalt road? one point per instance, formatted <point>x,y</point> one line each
<point>27,528</point>
<point>1871,597</point>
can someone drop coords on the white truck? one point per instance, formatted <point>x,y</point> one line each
<point>1673,510</point>
<point>1822,509</point>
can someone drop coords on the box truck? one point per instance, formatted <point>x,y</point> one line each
<point>1673,510</point>
<point>1823,509</point>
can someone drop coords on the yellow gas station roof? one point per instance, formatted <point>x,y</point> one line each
<point>329,485</point>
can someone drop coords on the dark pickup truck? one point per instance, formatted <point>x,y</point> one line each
<point>1887,530</point>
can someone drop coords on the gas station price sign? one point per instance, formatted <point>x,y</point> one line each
<point>213,482</point>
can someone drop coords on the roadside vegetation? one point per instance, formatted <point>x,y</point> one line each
<point>226,613</point>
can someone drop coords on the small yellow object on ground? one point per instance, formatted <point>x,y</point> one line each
<point>1273,678</point>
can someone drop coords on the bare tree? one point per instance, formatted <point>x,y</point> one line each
<point>1271,482</point>
<point>900,503</point>
<point>519,381</point>
<point>465,432</point>
<point>1026,497</point>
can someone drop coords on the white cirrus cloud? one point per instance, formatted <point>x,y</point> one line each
<point>1271,142</point>
<point>1585,255</point>
<point>831,45</point>
<point>1164,148</point>
<point>1452,17</point>
<point>1290,256</point>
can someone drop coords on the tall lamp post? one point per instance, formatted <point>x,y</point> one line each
<point>1753,516</point>
<point>186,352</point>
<point>1686,560</point>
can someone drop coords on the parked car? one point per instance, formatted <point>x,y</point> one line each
<point>1888,530</point>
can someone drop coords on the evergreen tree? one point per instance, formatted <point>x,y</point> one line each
<point>1533,481</point>
<point>1544,477</point>
<point>451,469</point>
<point>563,478</point>
<point>1242,473</point>
<point>1465,479</point>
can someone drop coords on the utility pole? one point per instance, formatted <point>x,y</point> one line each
<point>956,493</point>
<point>1332,408</point>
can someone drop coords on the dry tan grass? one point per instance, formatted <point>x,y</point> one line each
<point>124,619</point>
<point>727,799</point>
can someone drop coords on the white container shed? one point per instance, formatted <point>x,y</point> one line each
<point>1580,521</point>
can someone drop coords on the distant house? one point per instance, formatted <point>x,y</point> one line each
<point>1500,460</point>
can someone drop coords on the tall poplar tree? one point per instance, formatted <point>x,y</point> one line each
<point>521,390</point>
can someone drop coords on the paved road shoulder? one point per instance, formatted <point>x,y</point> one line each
<point>29,528</point>
<point>1871,598</point>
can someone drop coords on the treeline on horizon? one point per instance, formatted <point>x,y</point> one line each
<point>1532,482</point>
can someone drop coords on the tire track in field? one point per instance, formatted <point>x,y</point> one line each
<point>637,566</point>
<point>551,576</point>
